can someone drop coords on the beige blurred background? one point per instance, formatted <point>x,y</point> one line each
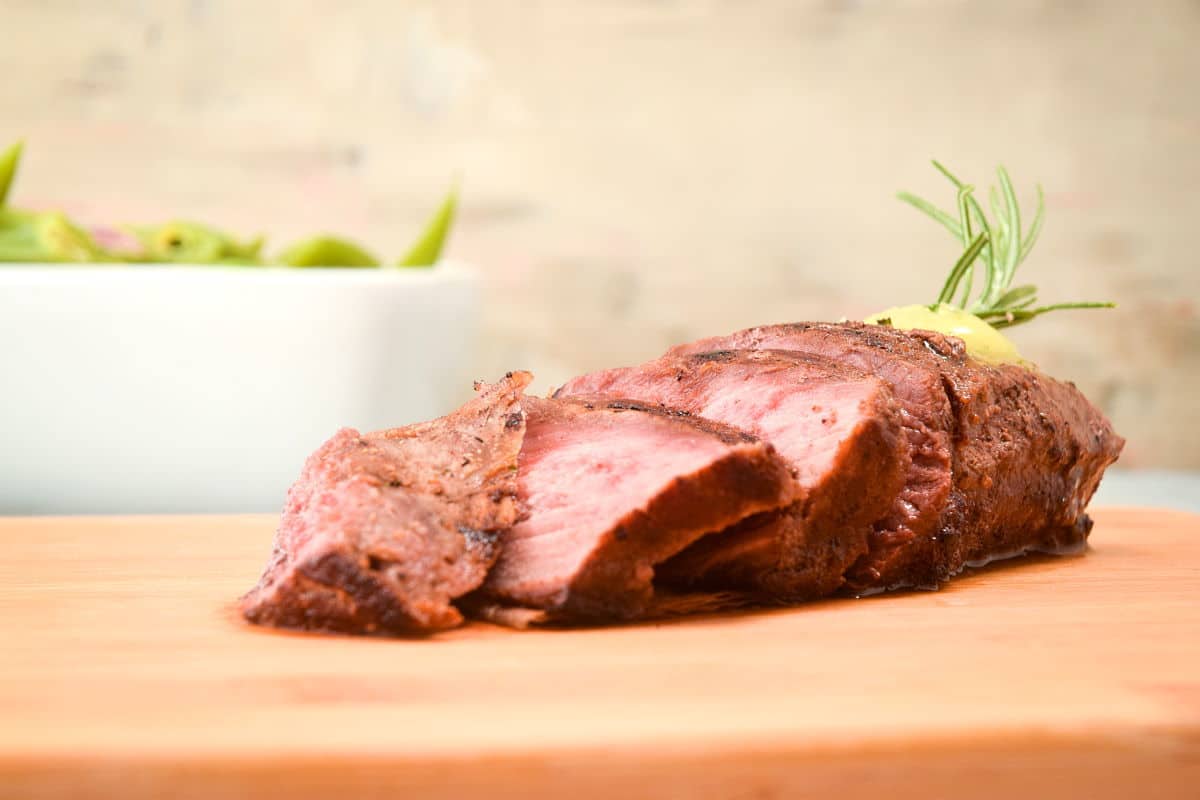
<point>636,174</point>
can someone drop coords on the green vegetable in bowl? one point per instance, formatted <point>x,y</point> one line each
<point>184,242</point>
<point>20,239</point>
<point>327,251</point>
<point>44,237</point>
<point>999,245</point>
<point>65,240</point>
<point>428,247</point>
<point>10,159</point>
<point>39,237</point>
<point>50,237</point>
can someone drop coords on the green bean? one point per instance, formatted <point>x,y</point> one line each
<point>183,242</point>
<point>327,251</point>
<point>10,159</point>
<point>249,251</point>
<point>19,240</point>
<point>66,240</point>
<point>428,247</point>
<point>45,237</point>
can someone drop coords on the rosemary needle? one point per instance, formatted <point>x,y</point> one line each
<point>999,246</point>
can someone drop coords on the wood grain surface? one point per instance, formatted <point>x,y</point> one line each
<point>124,672</point>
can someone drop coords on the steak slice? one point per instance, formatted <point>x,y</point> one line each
<point>837,427</point>
<point>615,487</point>
<point>1004,458</point>
<point>383,530</point>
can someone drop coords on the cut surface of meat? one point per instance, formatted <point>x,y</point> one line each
<point>838,428</point>
<point>614,487</point>
<point>1003,458</point>
<point>382,531</point>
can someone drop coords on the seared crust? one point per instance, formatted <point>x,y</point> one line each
<point>726,433</point>
<point>384,530</point>
<point>1004,458</point>
<point>868,475</point>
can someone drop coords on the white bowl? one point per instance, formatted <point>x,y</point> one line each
<point>134,388</point>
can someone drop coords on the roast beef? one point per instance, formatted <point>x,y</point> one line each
<point>383,531</point>
<point>613,488</point>
<point>838,428</point>
<point>1003,458</point>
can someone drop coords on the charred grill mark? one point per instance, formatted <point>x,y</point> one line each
<point>955,408</point>
<point>632,405</point>
<point>484,542</point>
<point>715,355</point>
<point>373,606</point>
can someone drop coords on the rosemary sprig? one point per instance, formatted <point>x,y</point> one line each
<point>999,246</point>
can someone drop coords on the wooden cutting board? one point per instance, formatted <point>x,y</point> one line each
<point>125,673</point>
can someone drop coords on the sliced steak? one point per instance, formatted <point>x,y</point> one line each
<point>838,428</point>
<point>382,531</point>
<point>615,487</point>
<point>1004,458</point>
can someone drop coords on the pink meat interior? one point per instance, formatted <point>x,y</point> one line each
<point>806,419</point>
<point>807,427</point>
<point>578,478</point>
